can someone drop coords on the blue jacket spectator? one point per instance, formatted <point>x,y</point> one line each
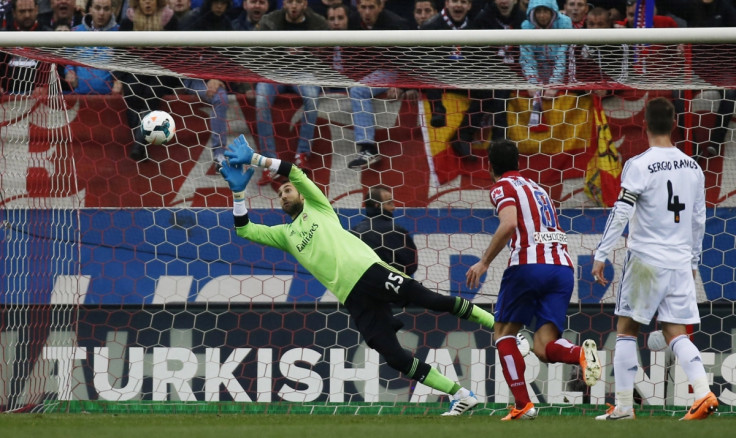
<point>294,15</point>
<point>86,80</point>
<point>544,63</point>
<point>212,16</point>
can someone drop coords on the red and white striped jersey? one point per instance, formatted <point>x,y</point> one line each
<point>538,238</point>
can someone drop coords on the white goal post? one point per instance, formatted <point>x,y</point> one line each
<point>398,38</point>
<point>421,57</point>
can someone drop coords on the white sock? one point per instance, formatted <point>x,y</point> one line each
<point>625,365</point>
<point>689,359</point>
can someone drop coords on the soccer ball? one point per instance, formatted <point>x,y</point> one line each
<point>656,341</point>
<point>523,344</point>
<point>158,127</point>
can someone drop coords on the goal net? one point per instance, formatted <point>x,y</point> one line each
<point>125,289</point>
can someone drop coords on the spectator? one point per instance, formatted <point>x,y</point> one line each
<point>708,13</point>
<point>144,93</point>
<point>294,15</point>
<point>85,80</point>
<point>61,11</point>
<point>631,21</point>
<point>577,10</point>
<point>18,74</point>
<point>390,241</point>
<point>149,15</point>
<point>337,17</point>
<point>371,16</point>
<point>25,15</point>
<point>423,11</point>
<point>183,11</point>
<point>598,18</point>
<point>616,8</point>
<point>24,73</point>
<point>543,64</point>
<point>454,16</point>
<point>6,15</point>
<point>250,16</point>
<point>320,7</point>
<point>600,64</point>
<point>401,8</point>
<point>212,16</point>
<point>500,14</point>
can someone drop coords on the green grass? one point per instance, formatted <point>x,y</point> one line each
<point>349,426</point>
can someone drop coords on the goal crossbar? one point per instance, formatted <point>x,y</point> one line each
<point>664,59</point>
<point>399,38</point>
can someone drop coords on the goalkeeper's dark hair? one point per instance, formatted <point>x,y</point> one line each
<point>660,116</point>
<point>503,156</point>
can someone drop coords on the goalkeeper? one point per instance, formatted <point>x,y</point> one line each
<point>346,266</point>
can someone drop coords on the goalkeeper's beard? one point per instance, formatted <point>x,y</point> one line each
<point>293,208</point>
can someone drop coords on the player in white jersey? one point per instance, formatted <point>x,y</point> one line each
<point>538,282</point>
<point>663,201</point>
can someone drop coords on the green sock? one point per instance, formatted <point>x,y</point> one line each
<point>466,310</point>
<point>440,382</point>
<point>482,317</point>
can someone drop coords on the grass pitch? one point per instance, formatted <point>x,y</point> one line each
<point>348,426</point>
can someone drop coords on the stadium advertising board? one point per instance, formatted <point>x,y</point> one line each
<point>303,354</point>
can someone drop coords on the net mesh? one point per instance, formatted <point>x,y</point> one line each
<point>40,236</point>
<point>125,290</point>
<point>587,66</point>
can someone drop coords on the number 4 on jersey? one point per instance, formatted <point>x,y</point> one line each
<point>673,202</point>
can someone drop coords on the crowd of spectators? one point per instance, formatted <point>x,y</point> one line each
<point>541,65</point>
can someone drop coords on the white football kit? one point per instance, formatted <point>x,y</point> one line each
<point>663,201</point>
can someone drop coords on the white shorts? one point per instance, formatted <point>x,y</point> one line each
<point>646,290</point>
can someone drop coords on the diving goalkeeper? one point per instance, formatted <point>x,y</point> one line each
<point>345,265</point>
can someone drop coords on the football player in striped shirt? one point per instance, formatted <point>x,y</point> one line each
<point>537,283</point>
<point>663,201</point>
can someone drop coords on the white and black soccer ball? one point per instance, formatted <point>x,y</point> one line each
<point>523,344</point>
<point>158,127</point>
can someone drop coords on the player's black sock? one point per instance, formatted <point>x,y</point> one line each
<point>418,370</point>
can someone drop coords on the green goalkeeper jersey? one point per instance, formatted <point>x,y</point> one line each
<point>335,257</point>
